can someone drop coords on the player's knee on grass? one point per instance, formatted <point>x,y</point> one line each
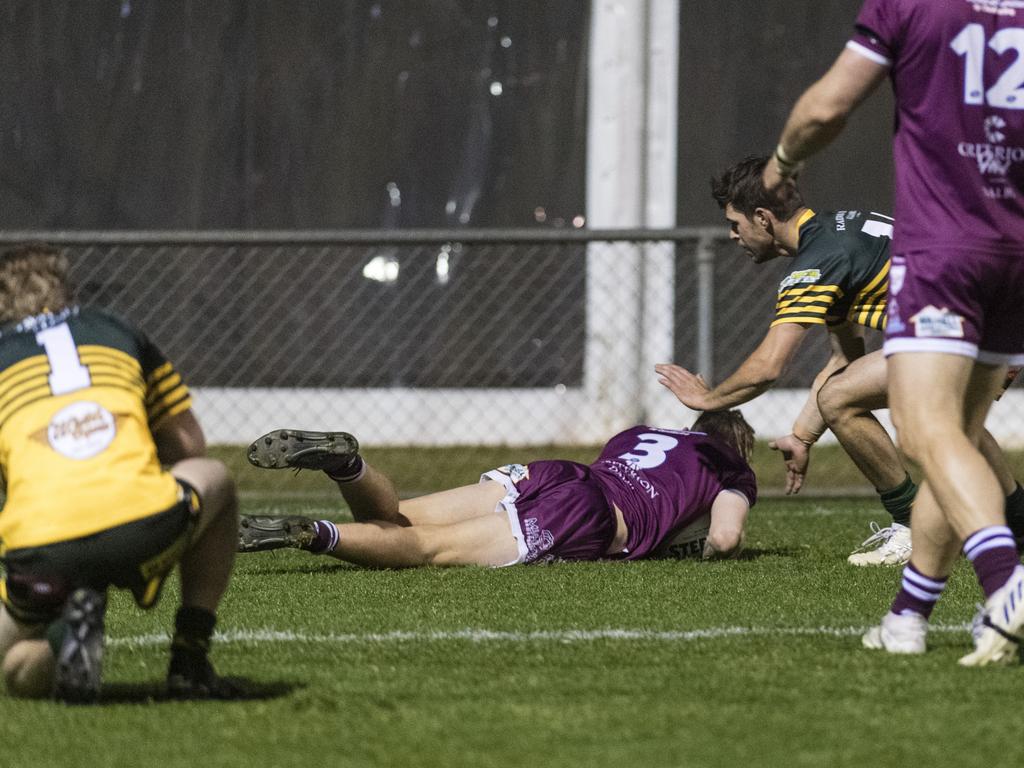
<point>28,669</point>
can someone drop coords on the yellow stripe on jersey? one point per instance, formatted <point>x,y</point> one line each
<point>811,288</point>
<point>29,366</point>
<point>156,375</point>
<point>800,318</point>
<point>157,417</point>
<point>160,390</point>
<point>868,309</point>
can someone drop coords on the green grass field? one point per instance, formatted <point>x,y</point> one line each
<point>753,662</point>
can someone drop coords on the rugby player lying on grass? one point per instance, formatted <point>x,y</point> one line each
<point>645,487</point>
<point>839,279</point>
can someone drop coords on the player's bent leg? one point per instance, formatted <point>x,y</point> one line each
<point>369,493</point>
<point>939,402</point>
<point>1007,482</point>
<point>28,661</point>
<point>205,572</point>
<point>846,402</point>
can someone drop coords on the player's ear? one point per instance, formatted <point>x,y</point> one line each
<point>763,218</point>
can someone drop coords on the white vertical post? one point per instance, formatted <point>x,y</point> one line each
<point>615,194</point>
<point>658,310</point>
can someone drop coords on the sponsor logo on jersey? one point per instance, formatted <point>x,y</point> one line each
<point>993,158</point>
<point>897,273</point>
<point>798,277</point>
<point>538,540</point>
<point>81,430</point>
<point>515,472</point>
<point>996,7</point>
<point>932,322</point>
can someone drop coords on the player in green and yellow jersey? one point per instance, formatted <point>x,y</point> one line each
<point>839,279</point>
<point>91,414</point>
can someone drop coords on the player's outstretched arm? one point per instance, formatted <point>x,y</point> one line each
<point>755,375</point>
<point>728,523</point>
<point>821,112</point>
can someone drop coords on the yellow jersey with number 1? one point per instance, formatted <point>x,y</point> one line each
<point>81,393</point>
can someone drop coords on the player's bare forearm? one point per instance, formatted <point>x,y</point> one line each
<point>693,392</point>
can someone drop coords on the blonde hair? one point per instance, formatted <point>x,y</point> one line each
<point>33,280</point>
<point>730,427</point>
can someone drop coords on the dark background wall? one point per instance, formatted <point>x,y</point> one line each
<point>742,66</point>
<point>272,114</point>
<point>368,113</point>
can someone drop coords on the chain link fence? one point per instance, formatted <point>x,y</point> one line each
<point>446,338</point>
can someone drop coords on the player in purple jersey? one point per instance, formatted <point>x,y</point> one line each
<point>956,320</point>
<point>645,487</point>
<point>837,280</point>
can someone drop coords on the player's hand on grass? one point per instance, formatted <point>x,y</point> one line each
<point>797,456</point>
<point>689,388</point>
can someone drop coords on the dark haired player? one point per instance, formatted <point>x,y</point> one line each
<point>646,486</point>
<point>956,319</point>
<point>89,409</point>
<point>839,278</point>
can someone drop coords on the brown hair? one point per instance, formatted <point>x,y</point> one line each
<point>33,279</point>
<point>730,427</point>
<point>741,185</point>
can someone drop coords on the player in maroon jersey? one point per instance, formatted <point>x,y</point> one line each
<point>646,486</point>
<point>956,321</point>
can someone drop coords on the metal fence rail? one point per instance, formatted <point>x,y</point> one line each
<point>441,337</point>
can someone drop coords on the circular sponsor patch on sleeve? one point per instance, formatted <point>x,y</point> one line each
<point>81,430</point>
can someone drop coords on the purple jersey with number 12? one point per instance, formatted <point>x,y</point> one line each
<point>663,479</point>
<point>957,68</point>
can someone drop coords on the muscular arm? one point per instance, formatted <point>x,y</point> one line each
<point>728,521</point>
<point>821,112</point>
<point>179,437</point>
<point>847,344</point>
<point>755,375</point>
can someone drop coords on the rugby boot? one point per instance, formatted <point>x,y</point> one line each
<point>80,658</point>
<point>885,546</point>
<point>259,534</point>
<point>332,452</point>
<point>998,630</point>
<point>898,633</point>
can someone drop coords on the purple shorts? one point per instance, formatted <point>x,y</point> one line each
<point>557,511</point>
<point>958,302</point>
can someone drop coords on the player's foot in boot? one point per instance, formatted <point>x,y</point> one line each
<point>334,452</point>
<point>898,633</point>
<point>885,546</point>
<point>80,660</point>
<point>259,534</point>
<point>999,627</point>
<point>194,678</point>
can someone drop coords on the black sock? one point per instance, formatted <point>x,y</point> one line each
<point>898,501</point>
<point>1015,512</point>
<point>193,628</point>
<point>326,537</point>
<point>346,469</point>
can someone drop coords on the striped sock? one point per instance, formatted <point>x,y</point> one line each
<point>993,553</point>
<point>351,469</point>
<point>326,537</point>
<point>918,593</point>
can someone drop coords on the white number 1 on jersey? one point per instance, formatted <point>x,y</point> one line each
<point>66,370</point>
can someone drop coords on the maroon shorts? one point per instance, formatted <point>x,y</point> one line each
<point>557,511</point>
<point>957,302</point>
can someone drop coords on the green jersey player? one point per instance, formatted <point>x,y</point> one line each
<point>839,279</point>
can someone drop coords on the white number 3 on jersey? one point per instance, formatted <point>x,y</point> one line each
<point>650,451</point>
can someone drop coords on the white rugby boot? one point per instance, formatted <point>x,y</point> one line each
<point>898,633</point>
<point>885,546</point>
<point>998,630</point>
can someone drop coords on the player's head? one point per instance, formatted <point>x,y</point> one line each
<point>33,279</point>
<point>730,427</point>
<point>751,210</point>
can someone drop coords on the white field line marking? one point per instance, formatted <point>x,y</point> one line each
<point>261,636</point>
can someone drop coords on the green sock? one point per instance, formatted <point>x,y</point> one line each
<point>898,501</point>
<point>1015,512</point>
